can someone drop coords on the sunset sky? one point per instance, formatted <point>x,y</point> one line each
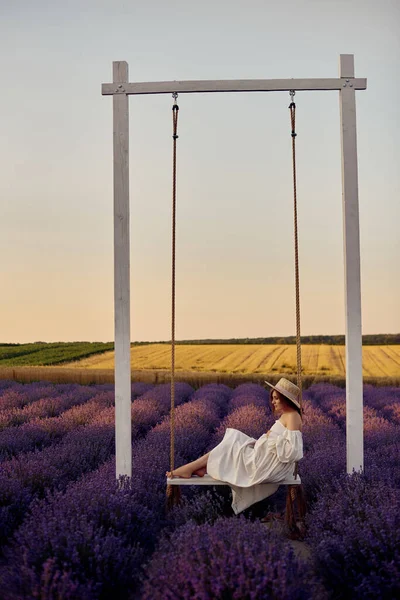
<point>235,249</point>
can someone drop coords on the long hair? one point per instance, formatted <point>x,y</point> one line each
<point>285,400</point>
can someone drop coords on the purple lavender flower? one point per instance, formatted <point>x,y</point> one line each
<point>233,558</point>
<point>354,531</point>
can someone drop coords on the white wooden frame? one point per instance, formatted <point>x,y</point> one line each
<point>346,84</point>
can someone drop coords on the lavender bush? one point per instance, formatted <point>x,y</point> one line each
<point>354,531</point>
<point>42,432</point>
<point>251,420</point>
<point>233,558</point>
<point>250,393</point>
<point>96,531</point>
<point>52,583</point>
<point>324,450</point>
<point>5,384</point>
<point>20,408</point>
<point>17,395</point>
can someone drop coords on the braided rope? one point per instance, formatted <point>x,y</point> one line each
<point>175,110</point>
<point>292,108</point>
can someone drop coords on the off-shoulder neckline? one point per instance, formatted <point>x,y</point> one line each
<point>279,421</point>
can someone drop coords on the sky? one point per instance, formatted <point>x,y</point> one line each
<point>235,247</point>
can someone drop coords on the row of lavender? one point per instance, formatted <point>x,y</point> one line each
<point>100,532</point>
<point>90,540</point>
<point>85,440</point>
<point>37,415</point>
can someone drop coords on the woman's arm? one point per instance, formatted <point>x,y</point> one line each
<point>289,446</point>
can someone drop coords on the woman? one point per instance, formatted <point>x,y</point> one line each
<point>252,467</point>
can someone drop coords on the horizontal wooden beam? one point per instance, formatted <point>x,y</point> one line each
<point>234,85</point>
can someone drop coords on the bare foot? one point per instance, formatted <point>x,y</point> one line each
<point>200,472</point>
<point>185,472</point>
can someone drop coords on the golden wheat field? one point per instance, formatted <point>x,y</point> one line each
<point>378,361</point>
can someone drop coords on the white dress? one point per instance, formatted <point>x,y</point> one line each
<point>245,463</point>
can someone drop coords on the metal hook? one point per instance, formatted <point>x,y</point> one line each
<point>175,95</point>
<point>292,94</point>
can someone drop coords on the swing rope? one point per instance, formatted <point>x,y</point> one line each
<point>292,108</point>
<point>173,491</point>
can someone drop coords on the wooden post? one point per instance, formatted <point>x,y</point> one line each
<point>123,436</point>
<point>351,234</point>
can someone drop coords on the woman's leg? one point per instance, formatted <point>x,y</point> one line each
<point>198,467</point>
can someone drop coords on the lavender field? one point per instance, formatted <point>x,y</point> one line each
<point>68,531</point>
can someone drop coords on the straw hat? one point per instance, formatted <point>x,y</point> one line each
<point>287,389</point>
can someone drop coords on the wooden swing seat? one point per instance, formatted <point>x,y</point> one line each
<point>208,480</point>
